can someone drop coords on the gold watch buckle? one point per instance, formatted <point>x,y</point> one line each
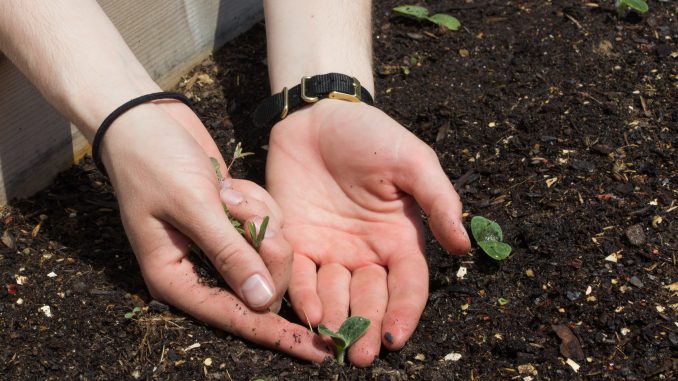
<point>355,97</point>
<point>305,97</point>
<point>286,104</point>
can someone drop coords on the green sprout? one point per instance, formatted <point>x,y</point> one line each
<point>489,236</point>
<point>421,14</point>
<point>133,313</point>
<point>349,332</point>
<point>257,237</point>
<point>623,6</point>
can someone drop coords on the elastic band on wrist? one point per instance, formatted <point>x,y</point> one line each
<point>98,137</point>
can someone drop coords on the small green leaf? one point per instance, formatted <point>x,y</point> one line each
<point>353,328</point>
<point>217,168</point>
<point>129,315</point>
<point>496,250</point>
<point>252,229</point>
<point>415,11</point>
<point>350,331</point>
<point>485,230</point>
<point>136,309</point>
<point>262,232</point>
<point>238,153</point>
<point>449,22</point>
<point>502,301</point>
<point>639,6</point>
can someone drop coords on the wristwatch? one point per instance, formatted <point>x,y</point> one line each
<point>311,89</point>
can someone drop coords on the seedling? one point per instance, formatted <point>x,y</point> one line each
<point>257,237</point>
<point>133,313</point>
<point>237,154</point>
<point>489,236</point>
<point>623,6</point>
<point>421,14</point>
<point>349,332</point>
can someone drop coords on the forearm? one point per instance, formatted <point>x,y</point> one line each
<point>310,37</point>
<point>74,55</point>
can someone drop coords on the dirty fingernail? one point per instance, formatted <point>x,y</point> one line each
<point>231,196</point>
<point>270,231</point>
<point>256,291</point>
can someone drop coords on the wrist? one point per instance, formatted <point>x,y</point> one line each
<point>310,90</point>
<point>89,102</point>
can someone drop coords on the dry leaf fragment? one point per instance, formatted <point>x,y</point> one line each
<point>8,239</point>
<point>36,229</point>
<point>570,346</point>
<point>442,131</point>
<point>205,79</point>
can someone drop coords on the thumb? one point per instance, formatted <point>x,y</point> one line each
<point>208,226</point>
<point>420,175</point>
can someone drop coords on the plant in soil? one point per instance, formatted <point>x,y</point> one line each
<point>489,237</point>
<point>421,14</point>
<point>623,6</point>
<point>349,332</point>
<point>133,313</point>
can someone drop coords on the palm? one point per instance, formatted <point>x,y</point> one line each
<point>343,174</point>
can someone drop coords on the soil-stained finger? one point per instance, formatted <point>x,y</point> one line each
<point>408,292</point>
<point>171,278</point>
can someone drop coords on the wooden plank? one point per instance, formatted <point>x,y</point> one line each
<point>168,36</point>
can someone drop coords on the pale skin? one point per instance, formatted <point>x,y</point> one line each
<point>350,181</point>
<point>167,191</point>
<point>344,176</point>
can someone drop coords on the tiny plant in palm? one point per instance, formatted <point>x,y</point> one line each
<point>624,6</point>
<point>422,14</point>
<point>489,236</point>
<point>349,332</point>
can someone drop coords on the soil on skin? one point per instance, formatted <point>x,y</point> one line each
<point>555,118</point>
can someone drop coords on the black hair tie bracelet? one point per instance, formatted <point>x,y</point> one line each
<point>98,137</point>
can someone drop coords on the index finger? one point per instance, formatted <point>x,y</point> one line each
<point>421,176</point>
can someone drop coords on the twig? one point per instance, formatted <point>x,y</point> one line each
<point>573,20</point>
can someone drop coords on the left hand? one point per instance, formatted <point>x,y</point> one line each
<point>346,177</point>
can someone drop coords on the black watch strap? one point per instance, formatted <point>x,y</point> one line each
<point>310,90</point>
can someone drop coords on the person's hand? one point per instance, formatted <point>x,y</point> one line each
<point>346,177</point>
<point>158,159</point>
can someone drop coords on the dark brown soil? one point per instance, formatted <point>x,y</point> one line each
<point>555,118</point>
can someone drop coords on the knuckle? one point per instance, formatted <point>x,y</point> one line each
<point>228,258</point>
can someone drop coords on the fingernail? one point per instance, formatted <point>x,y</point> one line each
<point>231,196</point>
<point>256,292</point>
<point>257,221</point>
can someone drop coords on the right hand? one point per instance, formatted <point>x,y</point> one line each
<point>158,158</point>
